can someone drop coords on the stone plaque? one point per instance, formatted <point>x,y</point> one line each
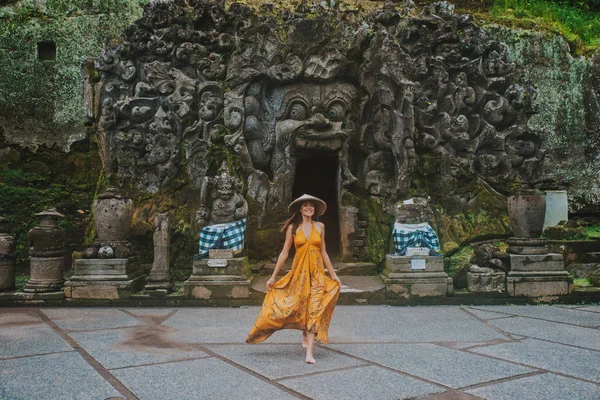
<point>417,251</point>
<point>217,263</point>
<point>417,264</point>
<point>220,253</point>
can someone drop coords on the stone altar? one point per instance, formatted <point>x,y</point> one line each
<point>416,275</point>
<point>108,270</point>
<point>222,275</point>
<point>46,254</point>
<point>533,271</point>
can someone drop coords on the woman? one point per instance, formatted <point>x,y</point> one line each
<point>304,298</point>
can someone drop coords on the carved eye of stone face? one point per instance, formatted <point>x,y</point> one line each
<point>336,111</point>
<point>297,111</point>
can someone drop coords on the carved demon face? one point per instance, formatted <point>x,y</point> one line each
<point>314,115</point>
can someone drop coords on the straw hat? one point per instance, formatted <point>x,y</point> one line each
<point>320,205</point>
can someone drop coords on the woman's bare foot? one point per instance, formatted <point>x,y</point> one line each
<point>310,360</point>
<point>304,340</point>
<point>310,336</point>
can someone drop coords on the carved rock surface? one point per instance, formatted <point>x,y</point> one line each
<point>380,90</point>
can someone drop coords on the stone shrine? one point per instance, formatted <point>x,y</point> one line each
<point>222,217</point>
<point>533,271</point>
<point>108,270</point>
<point>46,254</point>
<point>415,273</point>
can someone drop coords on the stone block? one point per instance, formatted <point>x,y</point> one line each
<point>533,286</point>
<point>93,292</point>
<point>531,263</point>
<point>491,281</point>
<point>226,279</point>
<point>234,267</point>
<point>111,269</point>
<point>395,264</point>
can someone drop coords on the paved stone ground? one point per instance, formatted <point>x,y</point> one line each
<point>375,352</point>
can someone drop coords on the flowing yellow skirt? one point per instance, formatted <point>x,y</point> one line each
<point>303,299</point>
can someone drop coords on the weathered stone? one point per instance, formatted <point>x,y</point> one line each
<point>547,262</point>
<point>47,249</point>
<point>228,282</point>
<point>538,275</point>
<point>113,278</point>
<point>220,253</point>
<point>112,216</point>
<point>160,276</point>
<point>402,280</point>
<point>485,280</point>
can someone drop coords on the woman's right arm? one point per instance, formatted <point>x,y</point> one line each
<point>282,257</point>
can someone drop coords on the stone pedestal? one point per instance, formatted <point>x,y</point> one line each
<point>110,278</point>
<point>46,254</point>
<point>226,278</point>
<point>538,275</point>
<point>481,280</point>
<point>415,276</point>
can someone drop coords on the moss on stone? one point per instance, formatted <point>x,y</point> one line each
<point>457,265</point>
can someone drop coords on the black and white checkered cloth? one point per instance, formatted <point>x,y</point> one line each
<point>222,236</point>
<point>415,235</point>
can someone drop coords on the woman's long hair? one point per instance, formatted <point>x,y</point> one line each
<point>294,220</point>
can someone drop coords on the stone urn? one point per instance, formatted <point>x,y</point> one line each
<point>526,211</point>
<point>7,257</point>
<point>112,216</point>
<point>46,254</point>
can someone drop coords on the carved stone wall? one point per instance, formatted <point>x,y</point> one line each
<point>381,91</point>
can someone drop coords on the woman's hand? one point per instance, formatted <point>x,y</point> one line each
<point>270,283</point>
<point>335,278</point>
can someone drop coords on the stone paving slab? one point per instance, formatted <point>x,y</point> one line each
<point>90,318</point>
<point>370,324</point>
<point>31,339</point>
<point>487,315</point>
<point>452,368</point>
<point>282,360</point>
<point>207,378</point>
<point>369,382</point>
<point>133,346</point>
<point>557,332</point>
<point>555,357</point>
<point>557,314</point>
<point>540,387</point>
<point>53,376</point>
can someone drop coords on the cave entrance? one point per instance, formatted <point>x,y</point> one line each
<point>318,175</point>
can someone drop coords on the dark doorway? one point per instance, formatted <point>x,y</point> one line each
<point>318,176</point>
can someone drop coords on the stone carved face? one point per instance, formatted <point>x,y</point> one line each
<point>315,115</point>
<point>225,190</point>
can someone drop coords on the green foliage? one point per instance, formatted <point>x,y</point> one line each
<point>458,265</point>
<point>575,20</point>
<point>594,231</point>
<point>582,282</point>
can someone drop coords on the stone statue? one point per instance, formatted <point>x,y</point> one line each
<point>225,203</point>
<point>412,233</point>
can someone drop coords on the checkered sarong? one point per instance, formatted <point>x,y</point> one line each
<point>222,236</point>
<point>415,235</point>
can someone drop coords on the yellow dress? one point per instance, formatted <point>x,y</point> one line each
<point>302,299</point>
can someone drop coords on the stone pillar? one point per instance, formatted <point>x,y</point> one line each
<point>46,254</point>
<point>108,270</point>
<point>159,280</point>
<point>221,276</point>
<point>415,276</point>
<point>7,257</point>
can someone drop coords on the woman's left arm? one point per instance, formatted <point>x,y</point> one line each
<point>326,259</point>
